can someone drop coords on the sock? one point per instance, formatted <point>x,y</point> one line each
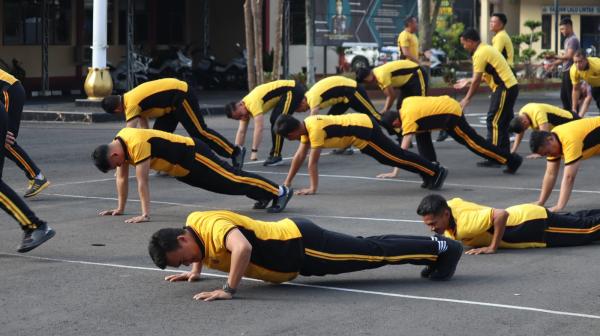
<point>281,191</point>
<point>40,176</point>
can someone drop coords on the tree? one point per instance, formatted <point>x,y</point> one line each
<point>427,21</point>
<point>529,39</point>
<point>277,48</point>
<point>249,28</point>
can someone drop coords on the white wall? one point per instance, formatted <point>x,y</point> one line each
<point>298,59</point>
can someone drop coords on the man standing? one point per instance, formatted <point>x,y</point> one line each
<point>408,43</point>
<point>585,69</point>
<point>191,161</point>
<point>283,97</point>
<point>279,251</point>
<point>354,129</point>
<point>12,100</point>
<point>571,44</point>
<point>574,141</point>
<point>501,41</point>
<point>490,65</point>
<point>170,101</point>
<point>487,229</point>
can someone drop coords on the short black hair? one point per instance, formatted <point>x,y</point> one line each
<point>285,124</point>
<point>229,108</point>
<point>501,17</point>
<point>100,158</point>
<point>433,204</point>
<point>409,19</point>
<point>566,21</point>
<point>362,74</point>
<point>110,103</point>
<point>515,125</point>
<point>538,139</point>
<point>388,118</point>
<point>471,34</point>
<point>580,53</point>
<point>161,242</point>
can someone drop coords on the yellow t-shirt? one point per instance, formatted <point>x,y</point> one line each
<point>422,114</point>
<point>540,114</point>
<point>168,152</point>
<point>352,129</point>
<point>155,98</point>
<point>408,40</point>
<point>503,44</point>
<point>395,73</point>
<point>277,249</point>
<point>330,91</point>
<point>264,97</point>
<point>591,75</point>
<point>488,60</point>
<point>579,139</point>
<point>474,223</point>
<point>6,79</point>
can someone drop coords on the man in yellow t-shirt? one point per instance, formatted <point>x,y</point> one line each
<point>585,69</point>
<point>574,141</point>
<point>501,41</point>
<point>486,229</point>
<point>408,43</point>
<point>279,251</point>
<point>354,129</point>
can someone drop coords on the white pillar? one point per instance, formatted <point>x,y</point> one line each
<point>99,44</point>
<point>484,21</point>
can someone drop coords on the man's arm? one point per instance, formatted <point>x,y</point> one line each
<point>517,142</point>
<point>122,181</point>
<point>193,275</point>
<point>313,172</point>
<point>133,123</point>
<point>142,170</point>
<point>499,218</point>
<point>566,186</point>
<point>390,96</point>
<point>144,123</point>
<point>405,145</point>
<point>575,96</point>
<point>552,168</point>
<point>585,105</point>
<point>257,135</point>
<point>475,81</point>
<point>240,136</point>
<point>241,250</point>
<point>314,111</point>
<point>296,163</point>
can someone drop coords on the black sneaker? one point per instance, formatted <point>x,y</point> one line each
<point>281,202</point>
<point>426,272</point>
<point>514,165</point>
<point>442,135</point>
<point>237,160</point>
<point>273,161</point>
<point>35,238</point>
<point>262,204</point>
<point>438,180</point>
<point>488,164</point>
<point>36,186</point>
<point>446,263</point>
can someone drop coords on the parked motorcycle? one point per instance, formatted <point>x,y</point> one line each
<point>140,70</point>
<point>175,65</point>
<point>210,74</point>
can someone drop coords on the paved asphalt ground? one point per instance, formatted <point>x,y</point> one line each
<point>95,277</point>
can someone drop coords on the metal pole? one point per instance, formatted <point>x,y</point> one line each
<point>556,19</point>
<point>131,82</point>
<point>205,28</point>
<point>45,80</point>
<point>286,39</point>
<point>310,70</point>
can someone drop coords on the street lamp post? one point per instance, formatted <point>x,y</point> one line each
<point>98,83</point>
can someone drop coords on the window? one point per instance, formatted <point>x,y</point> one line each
<point>23,22</point>
<point>547,31</point>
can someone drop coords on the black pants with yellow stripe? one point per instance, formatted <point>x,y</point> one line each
<point>190,117</point>
<point>385,151</point>
<point>329,252</point>
<point>10,202</point>
<point>208,171</point>
<point>572,229</point>
<point>14,99</point>
<point>500,114</point>
<point>416,86</point>
<point>464,134</point>
<point>287,105</point>
<point>359,101</point>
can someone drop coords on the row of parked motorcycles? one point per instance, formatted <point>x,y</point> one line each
<point>206,73</point>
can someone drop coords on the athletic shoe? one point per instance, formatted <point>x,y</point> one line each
<point>446,263</point>
<point>35,238</point>
<point>262,204</point>
<point>426,272</point>
<point>273,161</point>
<point>438,180</point>
<point>281,202</point>
<point>36,186</point>
<point>237,160</point>
<point>488,164</point>
<point>514,164</point>
<point>442,135</point>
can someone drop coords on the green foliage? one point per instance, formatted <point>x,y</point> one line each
<point>446,37</point>
<point>529,40</point>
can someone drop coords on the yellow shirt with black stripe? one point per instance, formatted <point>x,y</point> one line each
<point>330,91</point>
<point>579,139</point>
<point>539,114</point>
<point>352,129</point>
<point>154,99</point>
<point>495,69</point>
<point>408,40</point>
<point>591,75</point>
<point>167,152</point>
<point>395,73</point>
<point>474,223</point>
<point>502,42</point>
<point>264,97</point>
<point>6,79</point>
<point>422,114</point>
<point>277,249</point>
